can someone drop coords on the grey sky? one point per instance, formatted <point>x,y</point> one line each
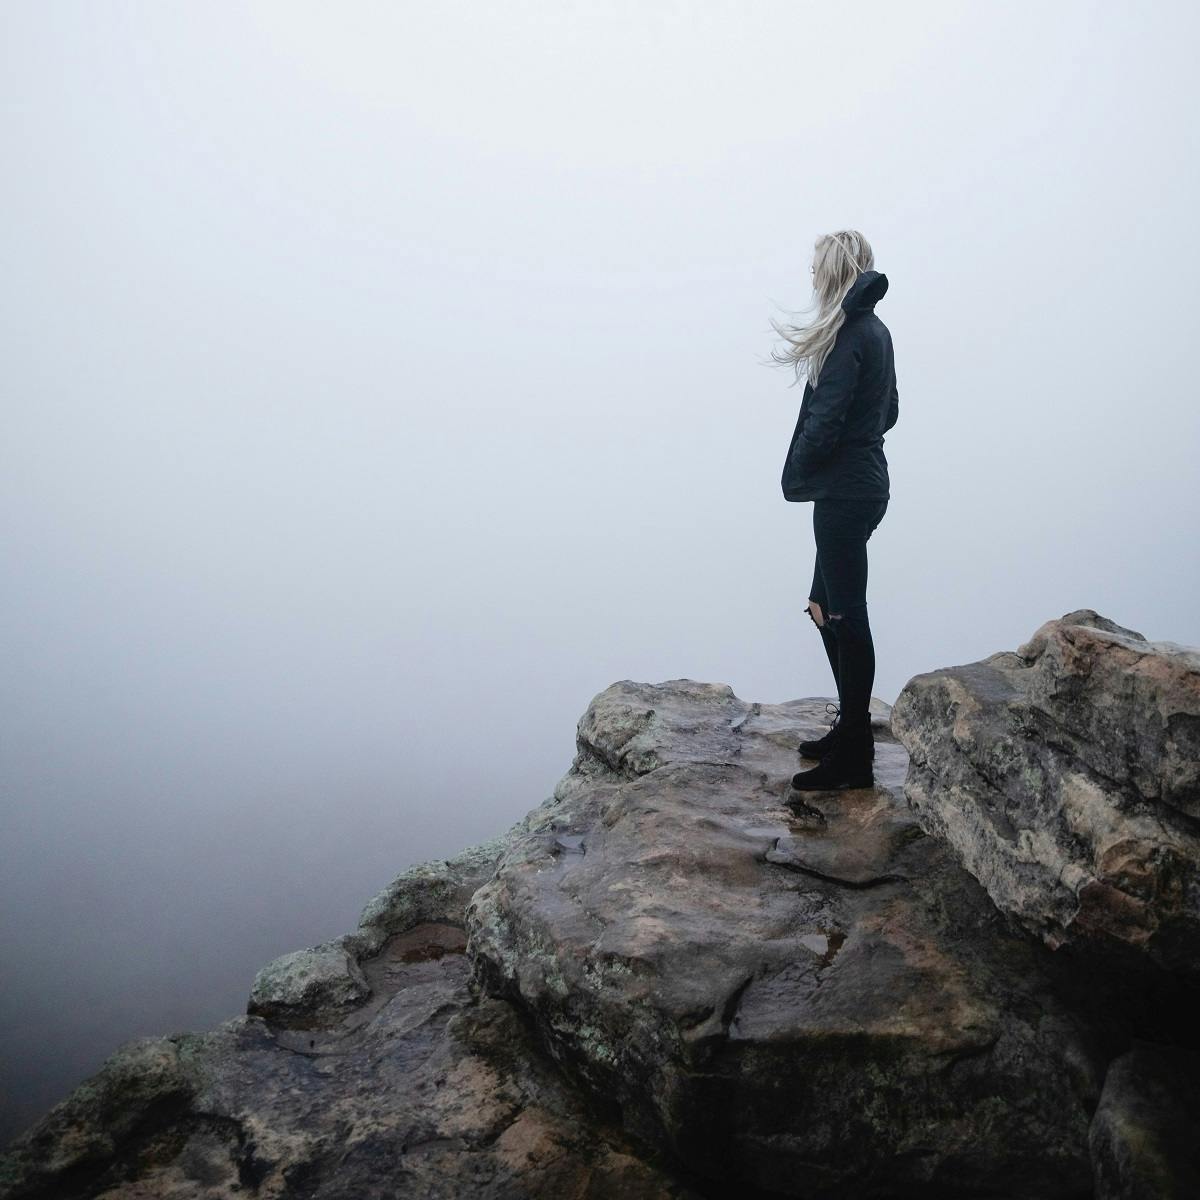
<point>382,381</point>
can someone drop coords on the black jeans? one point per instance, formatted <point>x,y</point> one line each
<point>842,529</point>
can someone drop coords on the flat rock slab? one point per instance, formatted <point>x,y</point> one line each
<point>814,1000</point>
<point>1066,777</point>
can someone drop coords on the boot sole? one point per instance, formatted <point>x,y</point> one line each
<point>848,786</point>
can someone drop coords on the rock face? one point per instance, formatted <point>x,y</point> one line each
<point>675,978</point>
<point>1066,776</point>
<point>812,1004</point>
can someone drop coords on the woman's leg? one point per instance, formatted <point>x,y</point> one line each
<point>818,607</point>
<point>842,529</point>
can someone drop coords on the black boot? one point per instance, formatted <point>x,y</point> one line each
<point>846,765</point>
<point>821,746</point>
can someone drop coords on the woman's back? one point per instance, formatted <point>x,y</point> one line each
<point>836,451</point>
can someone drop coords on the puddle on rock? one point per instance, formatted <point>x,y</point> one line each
<point>427,941</point>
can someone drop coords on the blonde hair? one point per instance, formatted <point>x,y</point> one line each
<point>838,260</point>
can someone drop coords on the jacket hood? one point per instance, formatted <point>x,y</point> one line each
<point>865,292</point>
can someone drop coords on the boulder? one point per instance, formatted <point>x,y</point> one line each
<point>810,999</point>
<point>1066,778</point>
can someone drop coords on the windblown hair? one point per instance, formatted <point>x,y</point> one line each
<point>838,259</point>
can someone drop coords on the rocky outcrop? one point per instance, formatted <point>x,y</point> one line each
<point>812,1003</point>
<point>1066,776</point>
<point>677,978</point>
<point>366,1069</point>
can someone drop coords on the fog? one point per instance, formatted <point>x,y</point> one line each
<point>382,381</point>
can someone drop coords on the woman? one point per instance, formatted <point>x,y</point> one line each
<point>836,460</point>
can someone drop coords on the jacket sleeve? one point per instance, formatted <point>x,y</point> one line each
<point>828,405</point>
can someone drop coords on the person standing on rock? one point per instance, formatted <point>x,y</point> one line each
<point>836,460</point>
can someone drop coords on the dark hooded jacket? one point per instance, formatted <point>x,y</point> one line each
<point>836,450</point>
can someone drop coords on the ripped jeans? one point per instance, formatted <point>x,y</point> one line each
<point>841,529</point>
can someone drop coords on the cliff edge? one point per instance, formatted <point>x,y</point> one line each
<point>677,978</point>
